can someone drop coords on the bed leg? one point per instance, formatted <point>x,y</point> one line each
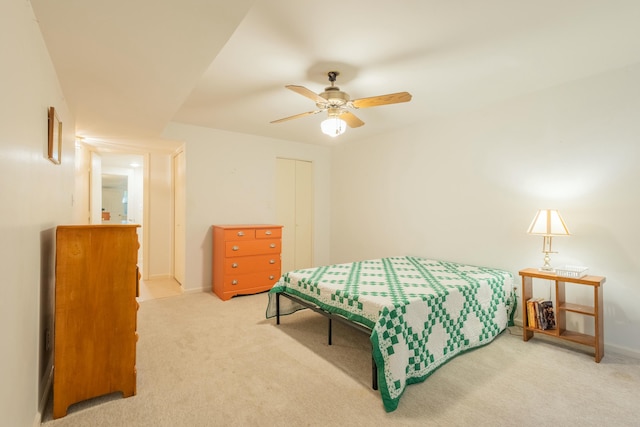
<point>278,308</point>
<point>374,374</point>
<point>329,338</point>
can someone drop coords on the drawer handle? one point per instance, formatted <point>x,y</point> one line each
<point>268,232</point>
<point>272,261</point>
<point>234,282</point>
<point>273,245</point>
<point>271,277</point>
<point>234,265</point>
<point>240,233</point>
<point>235,248</point>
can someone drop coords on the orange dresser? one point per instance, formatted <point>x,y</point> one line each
<point>246,258</point>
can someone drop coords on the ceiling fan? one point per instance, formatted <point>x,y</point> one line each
<point>337,104</point>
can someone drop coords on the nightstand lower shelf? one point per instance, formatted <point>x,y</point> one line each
<point>573,336</point>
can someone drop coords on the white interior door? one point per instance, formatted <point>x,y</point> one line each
<point>179,217</point>
<point>294,210</point>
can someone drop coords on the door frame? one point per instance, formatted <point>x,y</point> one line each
<point>178,204</point>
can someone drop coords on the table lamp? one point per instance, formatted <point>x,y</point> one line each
<point>548,223</point>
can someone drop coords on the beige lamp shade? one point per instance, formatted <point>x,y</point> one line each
<point>548,222</point>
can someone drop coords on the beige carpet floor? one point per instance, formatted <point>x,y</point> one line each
<point>205,362</point>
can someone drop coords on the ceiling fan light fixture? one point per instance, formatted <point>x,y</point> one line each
<point>337,105</point>
<point>333,126</point>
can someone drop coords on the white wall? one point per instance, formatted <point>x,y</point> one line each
<point>466,188</point>
<point>230,179</point>
<point>35,196</point>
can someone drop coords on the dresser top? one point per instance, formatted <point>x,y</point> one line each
<point>98,226</point>
<point>234,226</point>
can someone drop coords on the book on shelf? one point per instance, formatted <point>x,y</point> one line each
<point>546,307</point>
<point>540,314</point>
<point>531,313</point>
<point>539,318</point>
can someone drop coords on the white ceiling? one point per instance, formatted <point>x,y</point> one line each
<point>128,68</point>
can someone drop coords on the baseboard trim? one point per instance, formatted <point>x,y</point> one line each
<point>195,291</point>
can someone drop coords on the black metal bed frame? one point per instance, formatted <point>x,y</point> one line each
<point>331,316</point>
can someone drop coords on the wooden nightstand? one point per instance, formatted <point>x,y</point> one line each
<point>562,307</point>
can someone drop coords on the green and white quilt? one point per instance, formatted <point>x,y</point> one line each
<point>422,312</point>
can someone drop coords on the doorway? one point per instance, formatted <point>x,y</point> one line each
<point>148,177</point>
<point>115,199</point>
<point>117,193</point>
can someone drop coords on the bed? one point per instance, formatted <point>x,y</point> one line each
<point>420,313</point>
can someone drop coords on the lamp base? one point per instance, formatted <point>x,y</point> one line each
<point>547,263</point>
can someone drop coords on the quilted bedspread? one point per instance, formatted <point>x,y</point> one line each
<point>421,312</point>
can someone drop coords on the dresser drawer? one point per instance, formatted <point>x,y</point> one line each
<point>239,234</point>
<point>268,233</point>
<point>240,282</point>
<point>249,264</point>
<point>252,247</point>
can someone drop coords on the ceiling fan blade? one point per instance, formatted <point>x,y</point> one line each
<point>374,101</point>
<point>306,92</point>
<point>351,119</point>
<point>308,113</point>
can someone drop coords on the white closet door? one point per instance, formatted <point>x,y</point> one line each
<point>294,210</point>
<point>304,215</point>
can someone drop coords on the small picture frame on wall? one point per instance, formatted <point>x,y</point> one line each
<point>55,137</point>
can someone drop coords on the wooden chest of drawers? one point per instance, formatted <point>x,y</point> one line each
<point>95,313</point>
<point>246,259</point>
